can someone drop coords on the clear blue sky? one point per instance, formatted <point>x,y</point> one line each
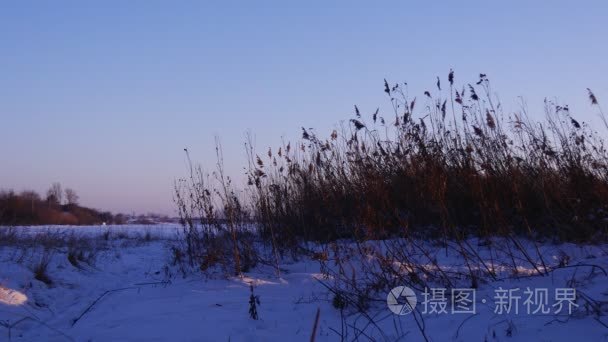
<point>103,96</point>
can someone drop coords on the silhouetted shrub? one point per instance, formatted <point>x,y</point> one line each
<point>458,166</point>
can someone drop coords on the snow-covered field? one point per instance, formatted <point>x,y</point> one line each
<point>130,291</point>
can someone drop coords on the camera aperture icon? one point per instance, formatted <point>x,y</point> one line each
<point>401,300</point>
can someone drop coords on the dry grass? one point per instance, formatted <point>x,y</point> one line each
<point>40,269</point>
<point>446,165</point>
<point>442,168</point>
<point>216,227</point>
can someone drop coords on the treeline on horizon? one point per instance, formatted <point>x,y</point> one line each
<point>57,207</point>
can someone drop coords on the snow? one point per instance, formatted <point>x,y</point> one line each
<point>11,297</point>
<point>132,292</point>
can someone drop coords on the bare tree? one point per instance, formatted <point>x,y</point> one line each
<point>55,194</point>
<point>71,197</point>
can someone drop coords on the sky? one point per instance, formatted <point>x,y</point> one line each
<point>103,96</point>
